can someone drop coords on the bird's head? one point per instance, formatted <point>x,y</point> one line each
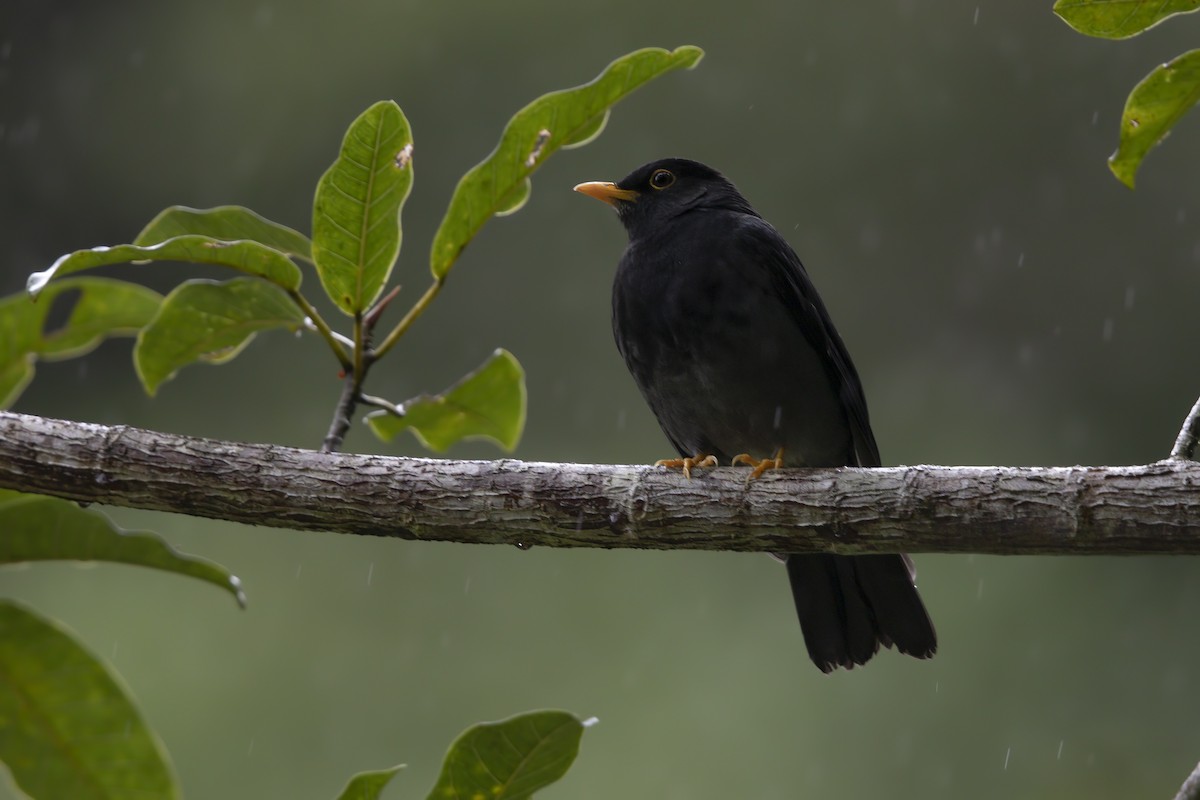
<point>648,198</point>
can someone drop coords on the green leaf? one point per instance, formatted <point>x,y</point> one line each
<point>227,223</point>
<point>1119,19</point>
<point>38,528</point>
<point>1153,108</point>
<point>489,403</point>
<point>211,322</point>
<point>356,214</point>
<point>101,307</point>
<point>68,728</point>
<point>368,785</point>
<point>245,256</point>
<point>511,759</point>
<point>566,118</point>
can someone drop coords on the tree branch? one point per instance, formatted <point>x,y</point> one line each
<point>1191,787</point>
<point>1067,510</point>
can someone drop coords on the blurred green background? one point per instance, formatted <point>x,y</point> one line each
<point>940,168</point>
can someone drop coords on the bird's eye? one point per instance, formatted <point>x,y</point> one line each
<point>662,178</point>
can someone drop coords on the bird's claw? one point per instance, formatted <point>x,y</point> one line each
<point>760,465</point>
<point>687,464</point>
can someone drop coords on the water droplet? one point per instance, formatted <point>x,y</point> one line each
<point>523,546</point>
<point>589,722</point>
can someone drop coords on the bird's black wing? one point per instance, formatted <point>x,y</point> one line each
<point>806,308</point>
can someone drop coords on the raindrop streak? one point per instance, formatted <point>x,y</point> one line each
<point>778,416</point>
<point>579,521</point>
<point>1020,260</point>
<point>979,594</point>
<point>1108,329</point>
<point>1060,747</point>
<point>298,568</point>
<point>370,573</point>
<point>621,420</point>
<point>976,22</point>
<point>1129,295</point>
<point>467,585</point>
<point>1006,755</point>
<point>1095,117</point>
<point>250,748</point>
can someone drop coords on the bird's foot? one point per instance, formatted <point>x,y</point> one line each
<point>687,464</point>
<point>760,466</point>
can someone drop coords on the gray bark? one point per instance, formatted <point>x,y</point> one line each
<point>1153,508</point>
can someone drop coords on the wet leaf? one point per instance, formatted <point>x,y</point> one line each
<point>571,117</point>
<point>1153,108</point>
<point>511,759</point>
<point>209,321</point>
<point>97,308</point>
<point>489,403</point>
<point>245,256</point>
<point>227,223</point>
<point>68,728</point>
<point>1119,19</point>
<point>368,785</point>
<point>356,214</point>
<point>34,527</point>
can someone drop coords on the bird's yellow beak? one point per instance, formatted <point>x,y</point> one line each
<point>607,191</point>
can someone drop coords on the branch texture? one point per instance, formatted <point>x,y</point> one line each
<point>1015,510</point>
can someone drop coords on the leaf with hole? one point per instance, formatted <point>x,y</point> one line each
<point>1152,109</point>
<point>569,118</point>
<point>356,213</point>
<point>38,528</point>
<point>228,224</point>
<point>1119,19</point>
<point>211,322</point>
<point>68,728</point>
<point>489,403</point>
<point>69,319</point>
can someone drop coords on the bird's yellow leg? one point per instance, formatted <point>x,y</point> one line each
<point>759,466</point>
<point>688,464</point>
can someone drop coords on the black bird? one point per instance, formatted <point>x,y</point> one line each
<point>738,359</point>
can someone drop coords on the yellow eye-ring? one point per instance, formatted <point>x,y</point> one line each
<point>662,178</point>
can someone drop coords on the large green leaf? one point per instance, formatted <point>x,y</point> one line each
<point>368,785</point>
<point>1153,108</point>
<point>30,330</point>
<point>488,403</point>
<point>356,214</point>
<point>227,223</point>
<point>245,256</point>
<point>511,759</point>
<point>38,528</point>
<point>209,321</point>
<point>568,118</point>
<point>1119,19</point>
<point>68,728</point>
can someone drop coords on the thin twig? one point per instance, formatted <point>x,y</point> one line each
<point>1185,442</point>
<point>331,338</point>
<point>372,317</point>
<point>1191,787</point>
<point>380,402</point>
<point>403,325</point>
<point>342,413</point>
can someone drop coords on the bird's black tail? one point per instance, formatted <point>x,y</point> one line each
<point>849,605</point>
